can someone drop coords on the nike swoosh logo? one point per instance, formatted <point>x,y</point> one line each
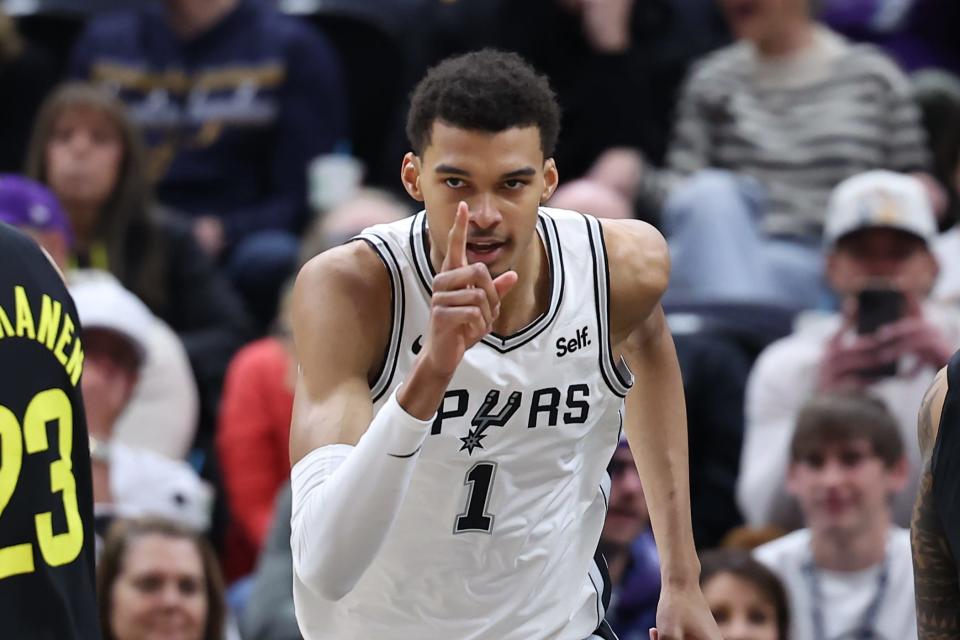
<point>409,455</point>
<point>417,345</point>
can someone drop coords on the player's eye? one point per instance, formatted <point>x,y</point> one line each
<point>514,184</point>
<point>454,183</point>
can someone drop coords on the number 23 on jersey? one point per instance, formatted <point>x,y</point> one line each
<point>16,441</point>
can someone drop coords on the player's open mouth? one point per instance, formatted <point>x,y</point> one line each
<point>485,252</point>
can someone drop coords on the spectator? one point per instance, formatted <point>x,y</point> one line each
<point>32,208</point>
<point>127,482</point>
<point>714,372</point>
<point>918,34</point>
<point>747,600</point>
<point>162,412</point>
<point>631,554</point>
<point>617,66</point>
<point>158,579</point>
<point>269,613</point>
<point>937,94</point>
<point>849,573</point>
<point>765,128</point>
<point>253,436</point>
<point>595,198</point>
<point>26,74</point>
<point>878,232</point>
<point>235,99</point>
<point>88,152</point>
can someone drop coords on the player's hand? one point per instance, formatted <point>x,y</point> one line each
<point>683,614</point>
<point>465,302</point>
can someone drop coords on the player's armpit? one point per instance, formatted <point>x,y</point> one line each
<point>341,317</point>
<point>934,570</point>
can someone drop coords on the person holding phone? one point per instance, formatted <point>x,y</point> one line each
<point>886,339</point>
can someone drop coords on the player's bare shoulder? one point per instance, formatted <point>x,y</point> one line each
<point>928,420</point>
<point>639,265</point>
<point>342,296</point>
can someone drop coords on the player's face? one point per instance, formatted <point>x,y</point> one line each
<point>844,487</point>
<point>160,592</point>
<point>627,516</point>
<point>881,254</point>
<point>742,612</point>
<point>83,158</point>
<point>502,177</point>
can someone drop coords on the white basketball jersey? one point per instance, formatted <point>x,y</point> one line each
<point>496,536</point>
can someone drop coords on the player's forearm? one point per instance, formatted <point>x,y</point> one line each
<point>422,391</point>
<point>656,426</point>
<point>934,571</point>
<point>345,500</point>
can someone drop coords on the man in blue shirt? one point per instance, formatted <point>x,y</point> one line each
<point>234,100</point>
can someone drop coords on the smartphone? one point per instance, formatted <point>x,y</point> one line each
<point>876,307</point>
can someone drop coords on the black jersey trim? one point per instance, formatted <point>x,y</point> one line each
<point>604,589</point>
<point>601,307</point>
<point>421,261</point>
<point>551,241</point>
<point>603,492</point>
<point>397,305</point>
<point>599,597</point>
<point>603,632</point>
<point>547,229</point>
<point>619,367</point>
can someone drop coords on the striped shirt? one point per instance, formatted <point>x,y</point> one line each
<point>799,125</point>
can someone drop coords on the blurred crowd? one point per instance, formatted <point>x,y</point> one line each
<point>181,159</point>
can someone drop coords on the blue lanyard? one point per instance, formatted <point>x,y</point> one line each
<point>864,630</point>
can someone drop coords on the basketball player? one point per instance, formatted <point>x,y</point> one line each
<point>935,529</point>
<point>465,374</point>
<point>46,501</point>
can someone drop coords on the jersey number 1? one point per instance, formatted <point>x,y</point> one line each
<point>475,516</point>
<point>57,549</point>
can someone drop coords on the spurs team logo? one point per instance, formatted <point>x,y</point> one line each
<point>548,407</point>
<point>484,418</point>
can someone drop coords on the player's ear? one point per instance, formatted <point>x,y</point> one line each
<point>550,179</point>
<point>410,176</point>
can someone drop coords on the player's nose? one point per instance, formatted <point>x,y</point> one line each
<point>484,212</point>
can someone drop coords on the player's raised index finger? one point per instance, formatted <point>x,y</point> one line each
<point>457,240</point>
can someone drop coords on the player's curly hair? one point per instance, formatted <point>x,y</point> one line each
<point>487,91</point>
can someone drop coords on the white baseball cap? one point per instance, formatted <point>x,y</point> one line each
<point>879,199</point>
<point>145,483</point>
<point>103,303</point>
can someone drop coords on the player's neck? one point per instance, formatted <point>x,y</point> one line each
<point>531,295</point>
<point>842,551</point>
<point>190,18</point>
